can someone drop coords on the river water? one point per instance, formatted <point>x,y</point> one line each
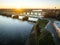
<point>14,31</point>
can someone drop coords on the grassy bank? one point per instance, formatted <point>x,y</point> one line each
<point>40,36</point>
<point>42,23</point>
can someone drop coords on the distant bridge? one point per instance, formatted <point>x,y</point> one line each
<point>35,13</point>
<point>30,13</point>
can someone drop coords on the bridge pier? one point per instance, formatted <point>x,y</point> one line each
<point>15,16</point>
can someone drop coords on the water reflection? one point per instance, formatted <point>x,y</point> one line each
<point>30,18</point>
<point>14,31</point>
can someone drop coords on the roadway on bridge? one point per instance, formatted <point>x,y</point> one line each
<point>52,30</point>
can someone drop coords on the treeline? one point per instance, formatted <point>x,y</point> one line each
<point>52,14</point>
<point>5,14</point>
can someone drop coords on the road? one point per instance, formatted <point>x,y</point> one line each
<point>52,30</point>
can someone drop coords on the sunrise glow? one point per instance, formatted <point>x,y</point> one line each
<point>29,3</point>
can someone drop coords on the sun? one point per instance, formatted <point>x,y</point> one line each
<point>18,7</point>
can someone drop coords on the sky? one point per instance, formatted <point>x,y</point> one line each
<point>30,4</point>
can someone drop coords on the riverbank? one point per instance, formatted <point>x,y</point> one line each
<point>40,36</point>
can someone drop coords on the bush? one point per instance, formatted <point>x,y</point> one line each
<point>16,16</point>
<point>25,18</point>
<point>58,17</point>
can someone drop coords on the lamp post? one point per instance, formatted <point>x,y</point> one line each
<point>55,11</point>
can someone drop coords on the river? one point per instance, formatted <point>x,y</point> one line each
<point>14,31</point>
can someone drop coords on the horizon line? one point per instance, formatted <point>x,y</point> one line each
<point>29,8</point>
